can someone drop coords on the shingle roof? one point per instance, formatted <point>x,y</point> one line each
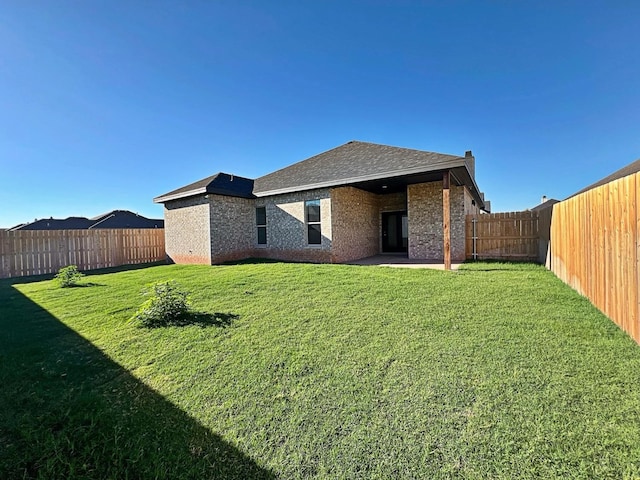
<point>70,223</point>
<point>351,163</point>
<point>549,203</point>
<point>113,219</point>
<point>630,169</point>
<point>124,219</point>
<point>364,165</point>
<point>220,184</point>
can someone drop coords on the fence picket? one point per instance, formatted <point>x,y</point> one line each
<point>35,252</point>
<point>595,248</point>
<point>506,236</point>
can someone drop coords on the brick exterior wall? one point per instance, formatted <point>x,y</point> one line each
<point>312,255</point>
<point>392,202</point>
<point>355,224</point>
<point>220,228</point>
<point>232,221</point>
<point>356,216</point>
<point>458,228</point>
<point>287,228</point>
<point>424,205</point>
<point>186,230</point>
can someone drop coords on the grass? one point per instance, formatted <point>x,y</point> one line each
<point>321,371</point>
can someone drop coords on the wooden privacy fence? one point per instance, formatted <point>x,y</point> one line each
<point>36,252</point>
<point>595,248</point>
<point>503,236</point>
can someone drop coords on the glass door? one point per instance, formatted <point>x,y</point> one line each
<point>395,232</point>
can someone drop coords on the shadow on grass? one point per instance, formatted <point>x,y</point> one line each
<point>86,273</point>
<point>496,265</point>
<point>85,285</point>
<point>202,319</point>
<point>68,411</point>
<point>123,268</point>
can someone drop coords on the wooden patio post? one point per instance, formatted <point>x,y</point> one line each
<point>446,219</point>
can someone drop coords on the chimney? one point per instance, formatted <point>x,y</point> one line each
<point>544,199</point>
<point>470,160</point>
<point>231,180</point>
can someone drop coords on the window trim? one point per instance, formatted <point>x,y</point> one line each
<point>261,225</point>
<point>308,223</point>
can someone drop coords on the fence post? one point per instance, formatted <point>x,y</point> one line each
<point>446,220</point>
<point>474,220</point>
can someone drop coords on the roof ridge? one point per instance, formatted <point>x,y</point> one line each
<point>399,147</point>
<point>351,142</point>
<point>355,161</point>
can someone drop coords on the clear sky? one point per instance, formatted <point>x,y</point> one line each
<point>107,104</point>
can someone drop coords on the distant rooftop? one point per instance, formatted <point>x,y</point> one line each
<point>546,204</point>
<point>112,219</point>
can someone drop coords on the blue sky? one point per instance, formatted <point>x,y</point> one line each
<point>107,104</point>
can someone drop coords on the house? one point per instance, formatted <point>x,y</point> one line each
<point>125,219</point>
<point>354,201</point>
<point>544,204</point>
<point>70,223</point>
<point>112,219</point>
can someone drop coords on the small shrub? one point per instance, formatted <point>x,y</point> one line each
<point>167,305</point>
<point>68,276</point>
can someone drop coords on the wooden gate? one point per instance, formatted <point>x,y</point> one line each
<point>503,236</point>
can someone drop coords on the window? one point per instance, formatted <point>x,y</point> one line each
<point>261,224</point>
<point>312,216</point>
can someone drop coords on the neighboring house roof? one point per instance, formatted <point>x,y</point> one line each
<point>113,219</point>
<point>124,219</point>
<point>70,223</point>
<point>630,169</point>
<point>549,203</point>
<point>370,166</point>
<point>220,184</point>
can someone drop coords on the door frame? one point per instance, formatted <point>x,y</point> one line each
<point>384,234</point>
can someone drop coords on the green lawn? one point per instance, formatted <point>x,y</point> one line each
<point>325,371</point>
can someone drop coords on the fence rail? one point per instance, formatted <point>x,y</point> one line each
<point>36,252</point>
<point>503,236</point>
<point>595,248</point>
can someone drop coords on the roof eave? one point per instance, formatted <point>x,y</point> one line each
<point>362,178</point>
<point>470,182</point>
<point>200,191</point>
<point>178,196</point>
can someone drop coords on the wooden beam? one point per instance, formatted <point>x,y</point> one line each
<point>446,219</point>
